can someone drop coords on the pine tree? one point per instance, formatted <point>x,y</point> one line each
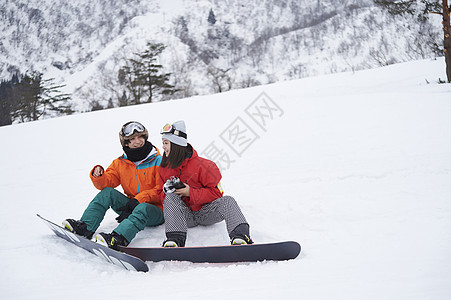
<point>5,103</point>
<point>211,17</point>
<point>144,77</point>
<point>36,98</point>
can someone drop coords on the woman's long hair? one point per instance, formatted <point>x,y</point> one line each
<point>176,156</point>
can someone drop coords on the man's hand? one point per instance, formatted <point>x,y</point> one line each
<point>127,210</point>
<point>98,171</point>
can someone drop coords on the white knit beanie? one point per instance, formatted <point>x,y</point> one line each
<point>173,137</point>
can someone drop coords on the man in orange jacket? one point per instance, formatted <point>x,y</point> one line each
<point>137,172</point>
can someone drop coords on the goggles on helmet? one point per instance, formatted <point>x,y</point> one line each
<point>168,128</point>
<point>131,127</point>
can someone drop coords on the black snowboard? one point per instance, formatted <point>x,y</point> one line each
<point>123,260</point>
<point>219,254</point>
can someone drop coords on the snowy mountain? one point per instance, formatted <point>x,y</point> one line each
<point>84,43</point>
<point>357,171</point>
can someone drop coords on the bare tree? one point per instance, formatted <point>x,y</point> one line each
<point>221,80</point>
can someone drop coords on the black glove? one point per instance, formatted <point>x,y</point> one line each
<point>127,209</point>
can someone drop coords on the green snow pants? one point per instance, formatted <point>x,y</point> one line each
<point>143,215</point>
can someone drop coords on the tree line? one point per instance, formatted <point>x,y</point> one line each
<point>141,79</point>
<point>29,97</point>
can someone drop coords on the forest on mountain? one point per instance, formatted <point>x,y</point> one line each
<point>89,50</point>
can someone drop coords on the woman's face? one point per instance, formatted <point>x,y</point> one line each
<point>136,142</point>
<point>166,147</point>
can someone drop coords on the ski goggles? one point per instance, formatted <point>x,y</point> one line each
<point>168,128</point>
<point>131,127</point>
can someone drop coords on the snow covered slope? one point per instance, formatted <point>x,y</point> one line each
<point>355,166</point>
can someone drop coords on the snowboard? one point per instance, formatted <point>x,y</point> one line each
<point>219,254</point>
<point>121,259</point>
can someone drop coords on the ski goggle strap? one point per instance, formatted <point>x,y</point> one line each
<point>131,127</point>
<point>168,128</point>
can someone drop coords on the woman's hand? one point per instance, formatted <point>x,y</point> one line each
<point>183,192</point>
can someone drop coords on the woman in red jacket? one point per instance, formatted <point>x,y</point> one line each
<point>191,192</point>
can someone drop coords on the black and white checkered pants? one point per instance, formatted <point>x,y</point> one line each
<point>179,217</point>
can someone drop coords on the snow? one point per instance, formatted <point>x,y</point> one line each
<point>356,167</point>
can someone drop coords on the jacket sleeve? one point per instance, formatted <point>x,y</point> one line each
<point>209,177</point>
<point>110,178</point>
<point>161,182</point>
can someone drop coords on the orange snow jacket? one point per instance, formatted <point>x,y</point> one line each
<point>137,181</point>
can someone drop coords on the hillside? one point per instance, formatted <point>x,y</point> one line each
<point>84,44</point>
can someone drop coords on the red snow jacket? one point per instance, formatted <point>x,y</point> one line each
<point>202,176</point>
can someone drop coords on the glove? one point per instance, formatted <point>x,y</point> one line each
<point>178,184</point>
<point>168,187</point>
<point>127,209</point>
<point>172,184</point>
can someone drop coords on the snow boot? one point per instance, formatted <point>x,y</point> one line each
<point>78,227</point>
<point>175,239</point>
<point>169,244</point>
<point>240,235</point>
<point>111,240</point>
